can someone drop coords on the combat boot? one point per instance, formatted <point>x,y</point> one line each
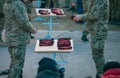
<point>5,72</point>
<point>84,37</point>
<point>97,76</point>
<point>21,76</point>
<point>31,36</point>
<point>1,73</point>
<point>3,44</point>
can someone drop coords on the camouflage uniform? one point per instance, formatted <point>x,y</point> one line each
<point>18,29</point>
<point>97,18</point>
<point>53,3</point>
<point>67,3</point>
<point>1,20</point>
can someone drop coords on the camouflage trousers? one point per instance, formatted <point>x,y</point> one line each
<point>98,56</point>
<point>85,30</point>
<point>17,54</point>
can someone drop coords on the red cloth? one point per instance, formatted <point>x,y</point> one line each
<point>112,73</point>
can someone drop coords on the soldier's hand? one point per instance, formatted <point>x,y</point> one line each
<point>77,18</point>
<point>73,4</point>
<point>34,31</point>
<point>30,16</point>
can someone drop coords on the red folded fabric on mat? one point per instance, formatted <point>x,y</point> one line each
<point>44,12</point>
<point>57,11</point>
<point>64,43</point>
<point>46,42</point>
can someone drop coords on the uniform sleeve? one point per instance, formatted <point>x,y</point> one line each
<point>21,17</point>
<point>88,17</point>
<point>96,13</point>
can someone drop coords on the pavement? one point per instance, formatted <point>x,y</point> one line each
<point>78,63</point>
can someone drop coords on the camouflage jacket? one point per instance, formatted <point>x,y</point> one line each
<point>97,16</point>
<point>17,25</point>
<point>85,5</point>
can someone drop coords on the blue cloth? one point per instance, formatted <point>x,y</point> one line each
<point>79,7</point>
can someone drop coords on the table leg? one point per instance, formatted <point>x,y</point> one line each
<point>38,19</point>
<point>50,27</point>
<point>50,23</point>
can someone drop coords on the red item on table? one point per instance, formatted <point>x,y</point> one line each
<point>46,42</point>
<point>44,12</point>
<point>64,43</point>
<point>57,11</point>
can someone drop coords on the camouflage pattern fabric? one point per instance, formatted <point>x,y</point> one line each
<point>17,55</point>
<point>114,10</point>
<point>18,29</point>
<point>86,4</point>
<point>17,25</point>
<point>85,8</point>
<point>1,17</point>
<point>97,18</point>
<point>29,7</point>
<point>67,2</point>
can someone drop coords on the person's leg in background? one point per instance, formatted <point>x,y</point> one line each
<point>51,4</point>
<point>56,3</point>
<point>43,2</point>
<point>84,35</point>
<point>66,3</point>
<point>73,4</point>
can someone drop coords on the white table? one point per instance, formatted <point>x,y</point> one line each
<point>52,49</point>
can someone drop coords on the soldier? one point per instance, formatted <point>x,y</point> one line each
<point>18,29</point>
<point>97,18</point>
<point>1,21</point>
<point>66,3</point>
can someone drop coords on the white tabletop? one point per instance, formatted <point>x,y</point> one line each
<point>53,48</point>
<point>49,10</point>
